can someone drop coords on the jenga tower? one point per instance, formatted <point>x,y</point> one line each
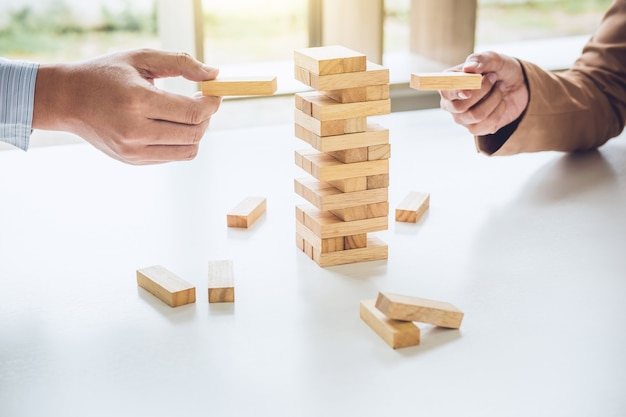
<point>349,159</point>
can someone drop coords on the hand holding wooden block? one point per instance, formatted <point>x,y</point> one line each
<point>241,86</point>
<point>446,81</point>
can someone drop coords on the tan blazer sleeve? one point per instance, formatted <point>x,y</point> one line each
<point>577,109</point>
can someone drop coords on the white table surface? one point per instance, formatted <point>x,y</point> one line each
<point>531,247</point>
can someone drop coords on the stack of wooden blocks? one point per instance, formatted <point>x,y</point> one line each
<point>349,159</point>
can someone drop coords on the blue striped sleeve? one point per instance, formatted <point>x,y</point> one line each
<point>17,95</point>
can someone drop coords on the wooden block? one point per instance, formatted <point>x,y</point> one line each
<point>242,86</point>
<point>349,156</point>
<point>396,333</point>
<point>316,243</point>
<point>375,250</point>
<point>325,196</point>
<point>166,286</point>
<point>373,135</point>
<point>329,127</point>
<point>374,75</point>
<point>406,308</point>
<point>326,168</point>
<point>355,241</point>
<point>377,181</point>
<point>246,212</point>
<point>367,211</point>
<point>333,59</point>
<point>221,282</point>
<point>322,107</point>
<point>326,225</point>
<point>352,95</point>
<point>446,81</point>
<point>350,185</point>
<point>412,207</point>
<point>375,152</point>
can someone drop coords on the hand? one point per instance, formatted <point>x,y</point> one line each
<point>112,103</point>
<point>501,100</point>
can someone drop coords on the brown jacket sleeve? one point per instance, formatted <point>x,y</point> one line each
<point>577,109</point>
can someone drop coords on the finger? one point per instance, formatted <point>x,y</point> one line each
<point>170,107</point>
<point>483,109</point>
<point>160,64</point>
<point>491,124</point>
<point>453,102</point>
<point>160,132</point>
<point>484,62</point>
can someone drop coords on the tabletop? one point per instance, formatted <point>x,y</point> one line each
<point>530,247</point>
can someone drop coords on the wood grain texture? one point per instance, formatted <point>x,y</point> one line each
<point>166,286</point>
<point>446,81</point>
<point>325,196</point>
<point>366,211</point>
<point>247,212</point>
<point>326,225</point>
<point>221,282</point>
<point>329,127</point>
<point>352,95</point>
<point>396,333</point>
<point>412,207</point>
<point>407,308</point>
<point>240,86</point>
<point>374,134</point>
<point>322,107</point>
<point>326,168</point>
<point>333,59</point>
<point>374,75</point>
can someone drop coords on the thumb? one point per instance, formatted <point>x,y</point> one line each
<point>161,64</point>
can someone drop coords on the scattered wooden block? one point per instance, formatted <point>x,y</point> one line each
<point>373,135</point>
<point>166,286</point>
<point>412,207</point>
<point>221,282</point>
<point>406,308</point>
<point>326,168</point>
<point>374,75</point>
<point>446,81</point>
<point>246,212</point>
<point>325,196</point>
<point>396,333</point>
<point>241,86</point>
<point>333,59</point>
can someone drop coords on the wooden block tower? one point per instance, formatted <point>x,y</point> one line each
<point>349,158</point>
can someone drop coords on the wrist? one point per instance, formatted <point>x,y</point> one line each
<point>50,107</point>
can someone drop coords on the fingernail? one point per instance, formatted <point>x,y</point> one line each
<point>471,64</point>
<point>462,95</point>
<point>208,68</point>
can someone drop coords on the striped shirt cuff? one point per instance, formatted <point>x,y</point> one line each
<point>17,99</point>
